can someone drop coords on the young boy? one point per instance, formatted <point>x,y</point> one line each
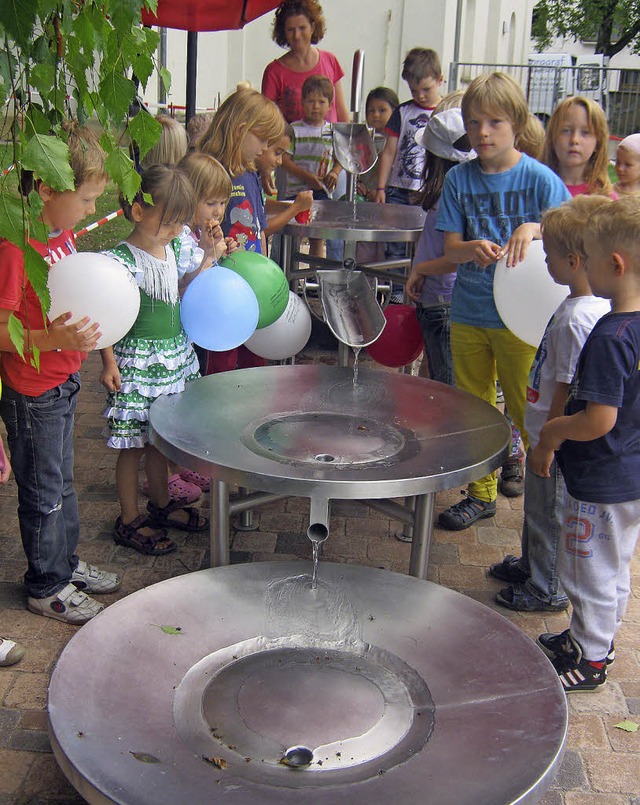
<point>490,207</point>
<point>534,577</point>
<point>598,451</point>
<point>38,406</point>
<point>311,164</point>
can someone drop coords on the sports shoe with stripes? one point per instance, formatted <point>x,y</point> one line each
<point>575,673</point>
<point>553,644</point>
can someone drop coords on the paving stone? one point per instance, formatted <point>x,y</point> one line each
<point>613,772</point>
<point>572,772</point>
<point>9,720</point>
<point>30,741</point>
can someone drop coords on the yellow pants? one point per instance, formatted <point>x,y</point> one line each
<point>480,354</point>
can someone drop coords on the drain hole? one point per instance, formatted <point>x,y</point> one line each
<point>325,457</point>
<point>297,757</point>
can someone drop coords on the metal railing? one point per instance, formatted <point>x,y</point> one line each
<point>616,90</point>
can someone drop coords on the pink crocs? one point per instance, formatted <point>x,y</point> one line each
<point>195,478</point>
<point>179,489</point>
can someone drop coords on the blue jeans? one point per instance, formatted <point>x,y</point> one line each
<point>436,334</point>
<point>40,438</point>
<point>542,534</point>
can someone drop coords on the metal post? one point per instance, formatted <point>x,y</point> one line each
<point>192,72</point>
<point>219,526</point>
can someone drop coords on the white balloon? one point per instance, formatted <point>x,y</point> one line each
<point>526,296</point>
<point>286,336</point>
<point>97,286</point>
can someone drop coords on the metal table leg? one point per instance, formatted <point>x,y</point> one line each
<point>422,533</point>
<point>219,526</point>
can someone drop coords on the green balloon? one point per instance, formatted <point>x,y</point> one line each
<point>267,280</point>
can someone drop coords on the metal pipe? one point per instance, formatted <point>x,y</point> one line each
<point>357,82</point>
<point>318,529</point>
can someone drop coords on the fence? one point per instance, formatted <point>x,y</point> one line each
<point>616,90</point>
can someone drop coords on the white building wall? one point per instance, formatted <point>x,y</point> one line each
<point>384,29</point>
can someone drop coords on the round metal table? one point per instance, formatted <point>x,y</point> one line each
<point>309,431</point>
<point>192,690</point>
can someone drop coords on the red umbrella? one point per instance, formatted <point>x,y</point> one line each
<point>207,15</point>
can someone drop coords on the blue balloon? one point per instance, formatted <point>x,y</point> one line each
<point>219,310</point>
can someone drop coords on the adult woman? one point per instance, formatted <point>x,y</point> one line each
<point>299,25</point>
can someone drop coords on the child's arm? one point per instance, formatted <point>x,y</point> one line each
<point>214,246</point>
<point>517,245</point>
<point>457,250</point>
<point>428,268</point>
<point>5,465</point>
<point>312,181</point>
<point>558,401</point>
<point>595,421</point>
<point>385,161</point>
<point>281,212</point>
<point>82,336</point>
<point>331,179</point>
<point>110,375</point>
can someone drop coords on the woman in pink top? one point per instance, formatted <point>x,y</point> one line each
<point>299,26</point>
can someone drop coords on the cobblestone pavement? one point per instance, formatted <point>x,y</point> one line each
<point>602,762</point>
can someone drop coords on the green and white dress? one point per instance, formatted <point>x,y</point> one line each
<point>155,357</point>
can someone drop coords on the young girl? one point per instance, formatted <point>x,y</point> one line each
<point>379,106</point>
<point>241,129</point>
<point>154,358</point>
<point>628,166</point>
<point>431,280</point>
<point>576,146</point>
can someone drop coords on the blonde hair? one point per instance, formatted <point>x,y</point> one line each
<point>250,110</point>
<point>530,141</point>
<point>171,146</point>
<point>207,177</point>
<point>564,227</point>
<point>596,174</point>
<point>196,127</point>
<point>615,226</point>
<point>496,92</point>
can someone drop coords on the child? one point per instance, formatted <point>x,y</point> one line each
<point>534,577</point>
<point>531,139</point>
<point>312,164</point>
<point>279,213</point>
<point>196,127</point>
<point>380,105</point>
<point>171,146</point>
<point>598,451</point>
<point>154,358</point>
<point>490,207</point>
<point>38,405</point>
<point>242,128</point>
<point>628,166</point>
<point>576,146</point>
<point>432,276</point>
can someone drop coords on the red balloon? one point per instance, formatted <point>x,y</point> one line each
<point>401,341</point>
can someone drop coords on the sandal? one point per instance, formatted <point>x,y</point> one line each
<point>509,570</point>
<point>192,477</point>
<point>179,489</point>
<point>520,599</point>
<point>159,517</point>
<point>156,544</point>
<point>466,513</point>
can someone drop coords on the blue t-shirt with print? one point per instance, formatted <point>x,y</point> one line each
<point>245,217</point>
<point>607,470</point>
<point>491,206</point>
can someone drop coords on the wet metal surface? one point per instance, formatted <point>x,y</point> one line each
<point>350,307</point>
<point>406,703</point>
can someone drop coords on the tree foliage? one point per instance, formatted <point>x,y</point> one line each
<point>611,24</point>
<point>60,60</point>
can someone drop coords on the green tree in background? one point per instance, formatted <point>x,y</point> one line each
<point>60,60</point>
<point>611,24</point>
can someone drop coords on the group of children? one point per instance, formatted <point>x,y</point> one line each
<point>575,398</point>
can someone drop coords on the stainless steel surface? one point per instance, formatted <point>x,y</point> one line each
<point>348,221</point>
<point>307,430</point>
<point>357,83</point>
<point>353,147</point>
<point>393,690</point>
<point>350,307</point>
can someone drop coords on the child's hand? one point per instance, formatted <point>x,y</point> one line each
<point>315,182</point>
<point>415,281</point>
<point>539,460</point>
<point>232,245</point>
<point>221,249</point>
<point>380,197</point>
<point>331,180</point>
<point>518,243</point>
<point>268,185</point>
<point>110,377</point>
<point>5,466</point>
<point>81,336</point>
<point>303,201</point>
<point>485,252</point>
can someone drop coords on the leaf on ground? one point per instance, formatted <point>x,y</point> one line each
<point>218,762</point>
<point>143,757</point>
<point>169,629</point>
<point>627,726</point>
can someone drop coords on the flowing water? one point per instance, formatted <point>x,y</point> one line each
<point>356,353</point>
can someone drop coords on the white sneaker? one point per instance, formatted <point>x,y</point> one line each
<point>10,651</point>
<point>68,605</point>
<point>90,579</point>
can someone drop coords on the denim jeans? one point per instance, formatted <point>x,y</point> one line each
<point>40,438</point>
<point>436,334</point>
<point>542,534</point>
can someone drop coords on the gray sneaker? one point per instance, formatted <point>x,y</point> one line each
<point>68,605</point>
<point>90,579</point>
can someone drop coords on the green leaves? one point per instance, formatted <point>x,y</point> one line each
<point>117,92</point>
<point>48,158</point>
<point>145,131</point>
<point>121,169</point>
<point>18,18</point>
<point>12,224</point>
